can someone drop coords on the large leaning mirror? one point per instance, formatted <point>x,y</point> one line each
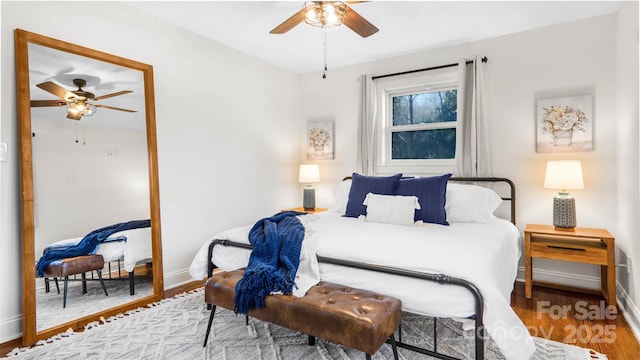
<point>90,202</point>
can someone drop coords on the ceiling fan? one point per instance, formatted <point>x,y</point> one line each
<point>79,102</point>
<point>326,14</point>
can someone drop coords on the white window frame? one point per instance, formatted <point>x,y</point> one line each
<point>386,89</point>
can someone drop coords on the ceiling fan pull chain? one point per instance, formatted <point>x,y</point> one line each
<point>76,125</point>
<point>84,142</point>
<point>324,74</point>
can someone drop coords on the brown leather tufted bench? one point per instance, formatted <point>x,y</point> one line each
<point>72,266</point>
<point>355,318</point>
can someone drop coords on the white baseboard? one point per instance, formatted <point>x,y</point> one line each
<point>568,279</point>
<point>11,328</point>
<point>176,278</point>
<point>629,309</point>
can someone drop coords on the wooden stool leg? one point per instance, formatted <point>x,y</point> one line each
<point>64,299</point>
<point>206,336</point>
<point>99,271</point>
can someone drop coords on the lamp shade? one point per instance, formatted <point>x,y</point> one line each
<point>309,173</point>
<point>564,175</point>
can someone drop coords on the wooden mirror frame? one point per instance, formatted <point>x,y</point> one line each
<point>22,39</point>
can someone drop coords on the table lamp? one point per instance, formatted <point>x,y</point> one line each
<point>564,175</point>
<point>309,173</point>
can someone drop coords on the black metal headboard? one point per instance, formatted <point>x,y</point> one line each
<point>512,189</point>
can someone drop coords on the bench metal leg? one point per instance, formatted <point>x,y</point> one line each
<point>64,299</point>
<point>394,347</point>
<point>132,290</point>
<point>368,356</point>
<point>246,320</point>
<point>206,336</point>
<point>84,283</point>
<point>312,340</point>
<point>99,271</point>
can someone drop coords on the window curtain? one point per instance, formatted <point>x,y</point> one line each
<point>366,125</point>
<point>472,139</point>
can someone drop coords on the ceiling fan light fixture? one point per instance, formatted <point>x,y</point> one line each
<point>77,108</point>
<point>324,13</point>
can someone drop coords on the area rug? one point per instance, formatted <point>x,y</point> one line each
<point>174,329</point>
<point>49,305</point>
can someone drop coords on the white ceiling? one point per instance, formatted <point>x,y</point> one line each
<point>405,26</point>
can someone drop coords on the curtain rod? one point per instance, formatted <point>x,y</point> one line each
<point>484,60</point>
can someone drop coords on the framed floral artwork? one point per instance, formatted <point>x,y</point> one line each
<point>320,140</point>
<point>564,124</point>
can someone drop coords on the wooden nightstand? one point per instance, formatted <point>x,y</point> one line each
<point>301,209</point>
<point>584,245</point>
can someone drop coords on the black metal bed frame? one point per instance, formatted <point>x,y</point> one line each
<point>433,277</point>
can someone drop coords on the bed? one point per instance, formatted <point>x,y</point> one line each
<point>125,248</point>
<point>418,259</point>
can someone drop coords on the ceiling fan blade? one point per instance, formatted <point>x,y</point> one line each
<point>41,103</point>
<point>112,94</point>
<point>357,23</point>
<point>289,24</point>
<point>113,108</point>
<point>56,90</point>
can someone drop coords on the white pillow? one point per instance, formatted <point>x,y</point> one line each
<point>471,203</point>
<point>391,209</point>
<point>341,196</point>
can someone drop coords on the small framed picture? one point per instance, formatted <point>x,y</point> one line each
<point>564,124</point>
<point>320,139</point>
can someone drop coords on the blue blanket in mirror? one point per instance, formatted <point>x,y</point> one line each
<point>87,245</point>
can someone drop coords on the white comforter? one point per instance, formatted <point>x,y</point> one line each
<point>485,254</point>
<point>137,248</point>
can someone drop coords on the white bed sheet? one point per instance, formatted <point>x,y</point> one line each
<point>136,249</point>
<point>485,254</point>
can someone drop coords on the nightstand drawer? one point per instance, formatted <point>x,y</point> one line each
<point>592,251</point>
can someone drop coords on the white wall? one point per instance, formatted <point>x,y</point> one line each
<point>628,159</point>
<point>564,59</point>
<point>78,186</point>
<point>227,127</point>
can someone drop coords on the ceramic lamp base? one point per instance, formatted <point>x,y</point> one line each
<point>564,212</point>
<point>309,198</point>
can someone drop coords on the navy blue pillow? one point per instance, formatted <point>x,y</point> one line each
<point>362,185</point>
<point>432,195</point>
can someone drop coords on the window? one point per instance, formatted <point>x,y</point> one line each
<point>417,123</point>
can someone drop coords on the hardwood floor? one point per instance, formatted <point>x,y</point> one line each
<point>576,318</point>
<point>583,324</point>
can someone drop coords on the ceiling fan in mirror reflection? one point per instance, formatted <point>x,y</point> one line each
<point>79,102</point>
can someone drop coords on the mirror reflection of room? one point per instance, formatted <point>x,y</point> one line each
<point>91,192</point>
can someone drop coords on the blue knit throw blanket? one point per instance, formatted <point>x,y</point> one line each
<point>273,262</point>
<point>87,245</point>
